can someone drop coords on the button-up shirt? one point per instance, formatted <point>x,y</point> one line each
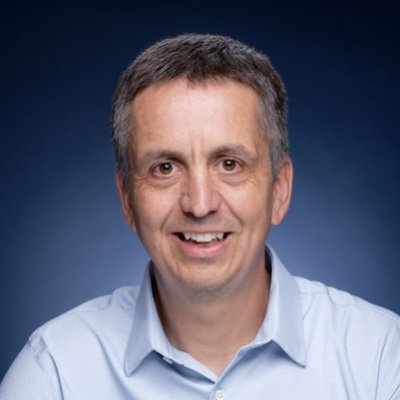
<point>316,342</point>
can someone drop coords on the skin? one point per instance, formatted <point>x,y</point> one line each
<point>201,165</point>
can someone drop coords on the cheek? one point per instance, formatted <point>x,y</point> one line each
<point>251,204</point>
<point>151,209</point>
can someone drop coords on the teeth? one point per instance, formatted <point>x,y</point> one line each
<point>203,237</point>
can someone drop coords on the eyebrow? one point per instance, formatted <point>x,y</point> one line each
<point>237,150</point>
<point>159,154</point>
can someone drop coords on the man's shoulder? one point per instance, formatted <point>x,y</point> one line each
<point>74,349</point>
<point>358,340</point>
<point>110,315</point>
<point>343,310</point>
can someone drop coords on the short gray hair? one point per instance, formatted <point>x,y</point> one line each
<point>199,58</point>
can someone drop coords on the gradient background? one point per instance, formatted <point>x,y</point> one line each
<point>64,240</point>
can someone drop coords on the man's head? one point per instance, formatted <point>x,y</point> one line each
<point>199,185</point>
<point>200,58</point>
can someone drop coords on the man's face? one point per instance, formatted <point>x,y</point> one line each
<point>202,196</point>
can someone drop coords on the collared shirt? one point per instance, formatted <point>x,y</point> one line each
<point>316,342</point>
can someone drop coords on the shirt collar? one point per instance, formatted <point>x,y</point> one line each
<point>283,323</point>
<point>147,333</point>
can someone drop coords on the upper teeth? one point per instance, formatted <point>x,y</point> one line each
<point>203,237</point>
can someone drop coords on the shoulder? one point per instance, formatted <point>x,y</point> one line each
<point>104,317</point>
<point>363,337</point>
<point>338,302</point>
<point>73,348</point>
<point>343,309</point>
<point>348,321</point>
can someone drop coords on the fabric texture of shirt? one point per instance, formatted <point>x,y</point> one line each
<point>316,342</point>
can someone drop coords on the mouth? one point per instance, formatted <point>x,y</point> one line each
<point>202,238</point>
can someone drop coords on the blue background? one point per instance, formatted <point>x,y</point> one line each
<point>64,239</point>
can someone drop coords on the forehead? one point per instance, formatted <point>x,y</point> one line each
<point>178,111</point>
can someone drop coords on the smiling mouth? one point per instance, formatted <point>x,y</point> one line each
<point>202,238</point>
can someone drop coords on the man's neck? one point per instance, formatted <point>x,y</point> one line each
<point>213,331</point>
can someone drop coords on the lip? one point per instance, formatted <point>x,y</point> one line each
<point>209,250</point>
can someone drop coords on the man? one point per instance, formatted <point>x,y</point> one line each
<point>199,129</point>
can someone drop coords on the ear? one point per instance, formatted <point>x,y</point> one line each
<point>125,199</point>
<point>282,190</point>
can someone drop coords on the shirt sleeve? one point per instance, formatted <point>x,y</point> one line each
<point>32,376</point>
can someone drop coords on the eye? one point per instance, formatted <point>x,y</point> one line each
<point>230,165</point>
<point>164,168</point>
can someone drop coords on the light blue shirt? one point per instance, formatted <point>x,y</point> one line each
<point>316,342</point>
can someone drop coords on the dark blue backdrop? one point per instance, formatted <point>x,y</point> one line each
<point>63,236</point>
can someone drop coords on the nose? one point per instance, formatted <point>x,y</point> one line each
<point>200,195</point>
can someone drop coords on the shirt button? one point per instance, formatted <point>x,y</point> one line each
<point>219,395</point>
